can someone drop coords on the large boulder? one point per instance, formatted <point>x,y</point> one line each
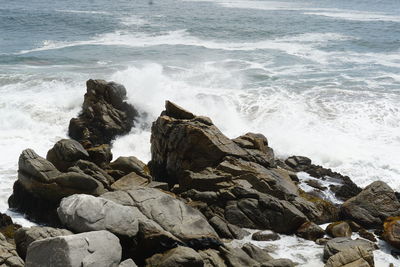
<point>105,114</point>
<point>125,165</point>
<point>310,231</point>
<point>340,244</point>
<point>190,143</point>
<point>183,222</point>
<point>25,236</point>
<point>8,254</point>
<point>83,213</point>
<point>372,206</point>
<point>339,229</point>
<point>65,153</point>
<point>98,248</point>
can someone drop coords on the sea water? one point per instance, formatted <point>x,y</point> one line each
<point>318,78</point>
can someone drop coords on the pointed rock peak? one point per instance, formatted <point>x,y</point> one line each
<point>177,112</point>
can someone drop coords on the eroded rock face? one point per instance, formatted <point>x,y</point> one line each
<point>310,231</point>
<point>98,248</point>
<point>391,231</point>
<point>26,235</point>
<point>105,114</point>
<point>176,257</point>
<point>8,254</point>
<point>339,229</point>
<point>357,257</point>
<point>373,205</point>
<point>341,244</point>
<point>65,153</point>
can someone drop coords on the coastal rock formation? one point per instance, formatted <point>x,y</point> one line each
<point>65,153</point>
<point>105,114</point>
<point>339,229</point>
<point>25,236</point>
<point>373,205</point>
<point>341,244</point>
<point>357,257</point>
<point>98,248</point>
<point>391,231</point>
<point>176,257</point>
<point>8,254</point>
<point>310,231</point>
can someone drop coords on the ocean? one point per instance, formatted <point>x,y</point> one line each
<point>318,78</point>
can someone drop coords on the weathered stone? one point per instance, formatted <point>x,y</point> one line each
<point>279,263</point>
<point>373,205</point>
<point>105,114</point>
<point>237,257</point>
<point>225,229</point>
<point>91,169</point>
<point>8,254</point>
<point>265,236</point>
<point>256,253</point>
<point>98,248</point>
<point>100,155</point>
<point>26,235</point>
<point>175,111</point>
<point>339,229</point>
<point>310,231</point>
<point>391,231</point>
<point>65,153</point>
<point>170,214</point>
<point>176,257</point>
<point>84,213</point>
<point>353,257</point>
<point>32,165</point>
<point>212,258</point>
<point>340,244</point>
<point>367,235</point>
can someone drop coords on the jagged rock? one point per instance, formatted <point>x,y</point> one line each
<point>367,235</point>
<point>175,111</point>
<point>340,244</point>
<point>98,248</point>
<point>310,231</point>
<point>176,257</point>
<point>83,213</point>
<point>353,257</point>
<point>127,263</point>
<point>32,165</point>
<point>211,258</point>
<point>373,205</point>
<point>183,222</point>
<point>267,212</point>
<point>100,155</point>
<point>179,145</point>
<point>8,254</point>
<point>65,153</point>
<point>91,169</point>
<point>391,231</point>
<point>265,236</point>
<point>26,235</point>
<point>256,253</point>
<point>237,257</point>
<point>105,114</point>
<point>125,165</point>
<point>130,181</point>
<point>8,227</point>
<point>346,190</point>
<point>339,229</point>
<point>227,230</point>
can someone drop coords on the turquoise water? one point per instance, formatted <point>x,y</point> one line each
<point>318,78</point>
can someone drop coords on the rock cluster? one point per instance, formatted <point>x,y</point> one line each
<point>197,193</point>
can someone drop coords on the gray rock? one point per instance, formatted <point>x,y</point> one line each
<point>96,249</point>
<point>8,254</point>
<point>227,230</point>
<point>84,213</point>
<point>128,165</point>
<point>265,236</point>
<point>279,263</point>
<point>339,229</point>
<point>127,263</point>
<point>237,257</point>
<point>353,257</point>
<point>65,152</point>
<point>91,169</point>
<point>182,221</point>
<point>256,253</point>
<point>211,258</point>
<point>340,244</point>
<point>32,165</point>
<point>130,181</point>
<point>310,231</point>
<point>176,257</point>
<point>25,236</point>
<point>373,205</point>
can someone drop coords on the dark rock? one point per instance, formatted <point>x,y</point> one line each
<point>176,257</point>
<point>322,241</point>
<point>310,231</point>
<point>8,254</point>
<point>212,258</point>
<point>26,235</point>
<point>98,248</point>
<point>315,184</point>
<point>340,244</point>
<point>372,206</point>
<point>355,227</point>
<point>265,236</point>
<point>7,227</point>
<point>391,232</point>
<point>177,112</point>
<point>227,230</point>
<point>105,114</point>
<point>91,169</point>
<point>130,181</point>
<point>65,153</point>
<point>256,253</point>
<point>237,257</point>
<point>100,155</point>
<point>279,263</point>
<point>339,229</point>
<point>127,165</point>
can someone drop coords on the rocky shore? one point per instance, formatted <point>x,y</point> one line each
<point>200,191</point>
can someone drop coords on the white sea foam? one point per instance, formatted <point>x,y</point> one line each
<point>357,16</point>
<point>83,11</point>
